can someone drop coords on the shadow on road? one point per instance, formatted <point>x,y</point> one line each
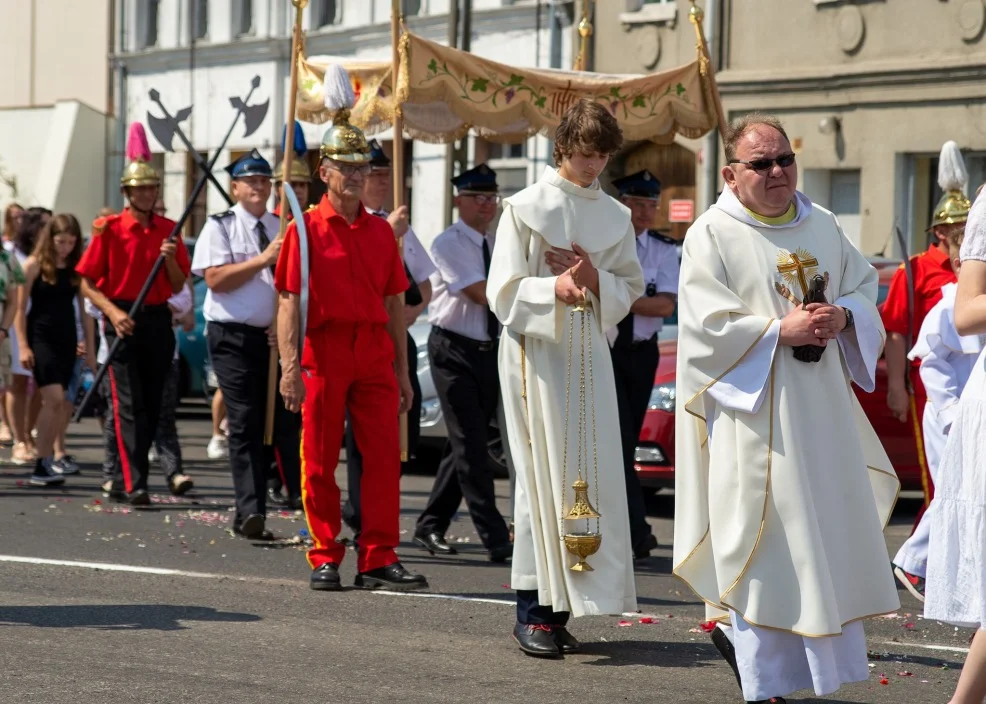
<point>125,617</point>
<point>648,653</point>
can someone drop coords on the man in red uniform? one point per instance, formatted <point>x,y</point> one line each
<point>114,268</point>
<point>355,341</point>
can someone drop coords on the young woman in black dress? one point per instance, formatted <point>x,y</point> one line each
<point>48,333</point>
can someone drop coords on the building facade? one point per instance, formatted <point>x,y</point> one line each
<point>869,90</point>
<point>56,104</point>
<point>202,53</point>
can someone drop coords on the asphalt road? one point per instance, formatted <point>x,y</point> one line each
<point>100,603</point>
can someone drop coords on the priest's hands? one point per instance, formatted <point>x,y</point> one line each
<point>829,320</point>
<point>577,264</point>
<point>798,328</point>
<point>566,290</point>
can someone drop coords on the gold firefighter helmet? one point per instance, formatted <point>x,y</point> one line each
<point>299,171</point>
<point>138,171</point>
<point>342,141</point>
<point>954,206</point>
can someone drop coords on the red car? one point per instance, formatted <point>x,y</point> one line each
<point>655,451</point>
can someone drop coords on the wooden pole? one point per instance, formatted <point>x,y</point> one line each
<point>398,170</point>
<point>696,17</point>
<point>299,6</point>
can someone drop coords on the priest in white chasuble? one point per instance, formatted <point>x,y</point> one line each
<point>563,242</point>
<point>782,488</point>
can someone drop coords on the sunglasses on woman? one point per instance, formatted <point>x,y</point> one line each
<point>784,160</point>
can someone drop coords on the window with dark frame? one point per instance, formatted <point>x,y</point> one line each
<point>325,13</point>
<point>242,17</point>
<point>200,17</point>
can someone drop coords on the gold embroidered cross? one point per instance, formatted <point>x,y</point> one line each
<point>796,264</point>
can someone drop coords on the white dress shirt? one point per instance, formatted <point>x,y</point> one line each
<point>415,256</point>
<point>458,257</point>
<point>253,302</point>
<point>661,264</point>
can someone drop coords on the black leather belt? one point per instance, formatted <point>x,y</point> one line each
<point>481,345</point>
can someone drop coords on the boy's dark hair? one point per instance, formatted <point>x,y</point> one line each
<point>587,127</point>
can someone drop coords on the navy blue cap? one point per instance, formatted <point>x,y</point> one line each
<point>479,178</point>
<point>251,164</point>
<point>642,184</point>
<point>378,158</point>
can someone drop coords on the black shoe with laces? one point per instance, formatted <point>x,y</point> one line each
<point>537,640</point>
<point>394,576</point>
<point>44,475</point>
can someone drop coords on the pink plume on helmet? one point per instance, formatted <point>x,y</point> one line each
<point>137,146</point>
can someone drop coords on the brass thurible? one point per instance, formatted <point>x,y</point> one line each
<point>586,542</point>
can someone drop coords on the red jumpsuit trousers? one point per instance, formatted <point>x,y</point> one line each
<point>350,366</point>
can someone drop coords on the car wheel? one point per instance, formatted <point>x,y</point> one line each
<point>497,458</point>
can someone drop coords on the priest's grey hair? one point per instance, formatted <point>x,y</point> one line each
<point>741,125</point>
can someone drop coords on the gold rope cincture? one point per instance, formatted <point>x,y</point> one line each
<point>587,542</point>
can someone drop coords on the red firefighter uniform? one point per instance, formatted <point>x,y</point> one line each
<point>118,261</point>
<point>347,363</point>
<point>932,270</point>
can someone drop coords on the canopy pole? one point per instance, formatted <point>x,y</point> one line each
<point>297,41</point>
<point>585,31</point>
<point>396,19</point>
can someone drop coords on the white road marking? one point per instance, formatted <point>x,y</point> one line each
<point>945,648</point>
<point>111,567</point>
<point>450,597</point>
<point>163,571</point>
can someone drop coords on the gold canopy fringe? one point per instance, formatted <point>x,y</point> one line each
<point>445,94</point>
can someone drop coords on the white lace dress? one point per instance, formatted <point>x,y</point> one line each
<point>956,581</point>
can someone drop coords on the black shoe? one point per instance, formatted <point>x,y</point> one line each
<point>434,543</point>
<point>44,475</point>
<point>276,498</point>
<point>536,640</point>
<point>251,527</point>
<point>294,503</point>
<point>180,484</point>
<point>501,553</point>
<point>642,551</point>
<point>393,577</point>
<point>772,700</point>
<point>264,535</point>
<point>566,642</point>
<point>139,497</point>
<point>325,578</point>
<point>725,647</point>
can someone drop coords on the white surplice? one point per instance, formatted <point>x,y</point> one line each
<point>947,361</point>
<point>521,292</point>
<point>782,488</point>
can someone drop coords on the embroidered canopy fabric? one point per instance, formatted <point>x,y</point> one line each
<point>446,92</point>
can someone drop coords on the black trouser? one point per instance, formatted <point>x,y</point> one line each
<point>634,366</point>
<point>468,386</point>
<point>354,458</point>
<point>241,357</point>
<point>531,613</point>
<point>138,373</point>
<point>166,442</point>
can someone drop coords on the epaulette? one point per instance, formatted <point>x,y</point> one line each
<point>100,224</point>
<point>662,237</point>
<point>223,215</point>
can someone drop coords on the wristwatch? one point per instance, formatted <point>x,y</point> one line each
<point>850,322</point>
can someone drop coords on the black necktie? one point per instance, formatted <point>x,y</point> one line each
<point>492,324</point>
<point>262,236</point>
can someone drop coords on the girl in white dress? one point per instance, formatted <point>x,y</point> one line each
<point>956,584</point>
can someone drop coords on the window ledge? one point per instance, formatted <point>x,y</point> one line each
<point>660,13</point>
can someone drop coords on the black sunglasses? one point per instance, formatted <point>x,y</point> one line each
<point>784,160</point>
